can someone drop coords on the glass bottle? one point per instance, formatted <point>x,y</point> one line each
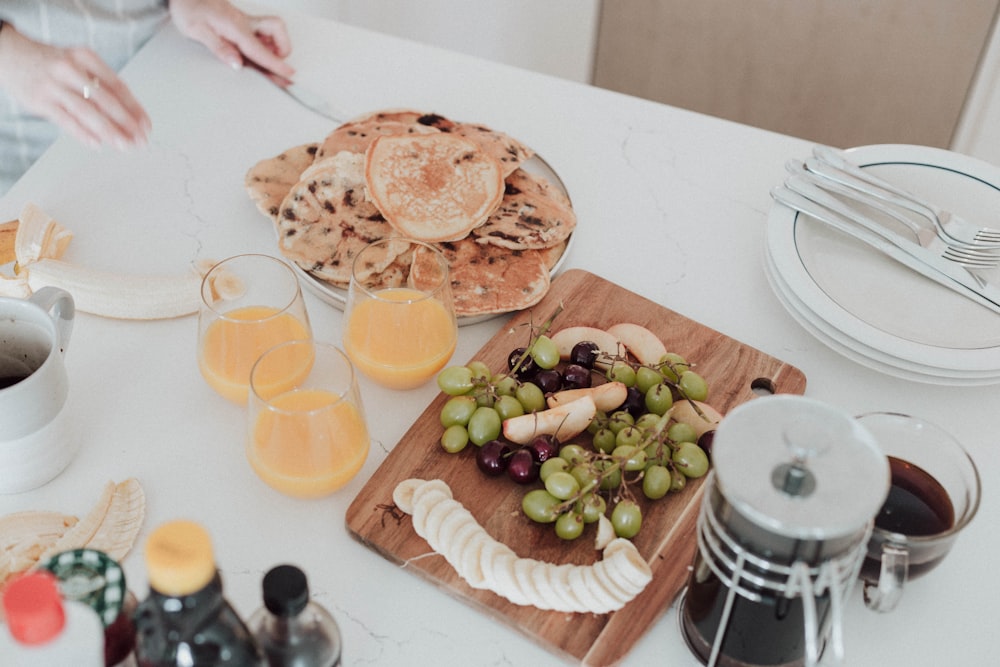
<point>291,629</point>
<point>43,630</point>
<point>186,621</point>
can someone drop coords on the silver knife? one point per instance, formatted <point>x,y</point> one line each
<point>907,253</point>
<point>307,97</point>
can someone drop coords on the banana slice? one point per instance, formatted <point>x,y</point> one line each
<point>452,531</point>
<point>25,535</point>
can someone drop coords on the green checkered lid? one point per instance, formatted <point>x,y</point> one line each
<point>91,577</point>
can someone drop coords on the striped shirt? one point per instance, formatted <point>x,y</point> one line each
<point>114,29</point>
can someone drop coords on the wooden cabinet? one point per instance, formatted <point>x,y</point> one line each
<point>841,72</point>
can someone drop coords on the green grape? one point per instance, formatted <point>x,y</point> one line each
<point>575,454</point>
<point>562,485</point>
<point>504,385</point>
<point>484,399</point>
<point>539,506</point>
<point>646,377</point>
<point>693,386</point>
<point>612,475</point>
<point>620,371</point>
<point>677,480</point>
<point>672,365</point>
<point>455,438</point>
<point>626,518</point>
<point>555,464</point>
<point>657,453</point>
<point>569,525</point>
<point>457,410</point>
<point>484,425</point>
<point>593,507</point>
<point>648,422</point>
<point>455,380</point>
<point>508,406</point>
<point>481,373</point>
<point>604,440</point>
<point>619,420</point>
<point>532,398</point>
<point>691,460</point>
<point>659,399</point>
<point>632,458</point>
<point>681,432</point>
<point>544,352</point>
<point>599,421</point>
<point>584,475</point>
<point>629,436</point>
<point>656,482</point>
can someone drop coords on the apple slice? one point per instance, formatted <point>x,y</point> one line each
<point>607,396</point>
<point>640,341</point>
<point>684,412</point>
<point>566,339</point>
<point>564,422</point>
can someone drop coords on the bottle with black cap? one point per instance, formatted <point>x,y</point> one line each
<point>292,629</point>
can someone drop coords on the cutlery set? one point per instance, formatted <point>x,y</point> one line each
<point>936,243</point>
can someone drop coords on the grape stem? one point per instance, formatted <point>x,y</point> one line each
<point>534,334</point>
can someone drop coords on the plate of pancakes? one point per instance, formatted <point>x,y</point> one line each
<point>498,212</point>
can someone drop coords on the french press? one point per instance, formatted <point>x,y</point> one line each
<point>782,532</point>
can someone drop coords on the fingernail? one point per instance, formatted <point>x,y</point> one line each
<point>236,64</point>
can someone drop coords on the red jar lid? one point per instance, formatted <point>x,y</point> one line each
<point>34,608</point>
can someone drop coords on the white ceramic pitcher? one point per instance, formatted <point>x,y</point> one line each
<point>36,439</point>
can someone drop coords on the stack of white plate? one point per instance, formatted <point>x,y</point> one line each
<point>875,311</point>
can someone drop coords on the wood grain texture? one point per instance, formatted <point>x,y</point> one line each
<point>667,538</point>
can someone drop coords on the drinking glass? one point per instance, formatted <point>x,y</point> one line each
<point>249,304</point>
<point>934,495</point>
<point>307,431</point>
<point>400,332</point>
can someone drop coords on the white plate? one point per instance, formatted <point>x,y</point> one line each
<point>878,307</point>
<point>863,354</point>
<point>337,297</point>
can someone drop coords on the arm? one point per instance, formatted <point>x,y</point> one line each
<point>235,37</point>
<point>51,82</point>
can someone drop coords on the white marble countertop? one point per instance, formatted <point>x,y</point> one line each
<point>671,205</point>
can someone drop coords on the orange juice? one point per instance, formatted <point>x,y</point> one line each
<point>308,442</point>
<point>231,346</point>
<point>397,344</point>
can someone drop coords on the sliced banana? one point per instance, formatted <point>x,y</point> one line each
<point>483,562</point>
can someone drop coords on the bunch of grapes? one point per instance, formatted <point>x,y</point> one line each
<point>632,446</point>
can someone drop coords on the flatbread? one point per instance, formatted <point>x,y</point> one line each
<point>432,187</point>
<point>533,214</point>
<point>269,181</point>
<point>325,220</point>
<point>488,279</point>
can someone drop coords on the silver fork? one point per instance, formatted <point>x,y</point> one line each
<point>831,163</point>
<point>933,243</point>
<point>923,232</point>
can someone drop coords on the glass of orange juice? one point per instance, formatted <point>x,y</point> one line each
<point>398,332</point>
<point>249,304</point>
<point>307,437</point>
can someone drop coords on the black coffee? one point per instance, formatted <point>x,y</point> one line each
<point>10,380</point>
<point>917,503</point>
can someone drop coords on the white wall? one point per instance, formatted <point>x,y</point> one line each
<point>557,37</point>
<point>978,132</point>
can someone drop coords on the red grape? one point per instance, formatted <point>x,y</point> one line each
<point>493,457</point>
<point>522,468</point>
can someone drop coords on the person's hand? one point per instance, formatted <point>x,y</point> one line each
<point>73,88</point>
<point>236,38</point>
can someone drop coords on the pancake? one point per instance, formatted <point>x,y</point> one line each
<point>269,181</point>
<point>489,279</point>
<point>357,135</point>
<point>432,187</point>
<point>533,214</point>
<point>507,150</point>
<point>325,220</point>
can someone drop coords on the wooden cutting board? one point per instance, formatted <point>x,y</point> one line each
<point>667,539</point>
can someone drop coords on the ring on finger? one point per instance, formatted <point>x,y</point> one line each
<point>91,87</point>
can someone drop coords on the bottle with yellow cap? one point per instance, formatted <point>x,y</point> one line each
<point>186,620</point>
